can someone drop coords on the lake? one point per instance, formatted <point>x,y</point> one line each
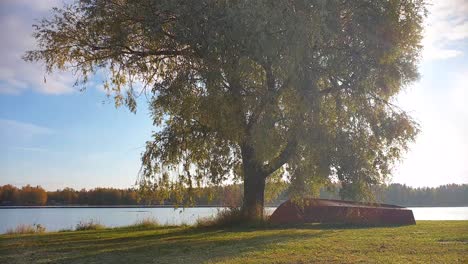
<point>66,218</point>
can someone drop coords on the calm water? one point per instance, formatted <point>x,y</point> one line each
<point>66,218</point>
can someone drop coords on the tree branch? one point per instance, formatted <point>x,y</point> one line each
<point>141,53</point>
<point>270,96</point>
<point>281,159</point>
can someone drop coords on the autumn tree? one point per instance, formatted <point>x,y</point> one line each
<point>9,194</point>
<point>243,89</point>
<point>30,195</point>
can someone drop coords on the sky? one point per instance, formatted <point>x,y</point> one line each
<point>55,136</point>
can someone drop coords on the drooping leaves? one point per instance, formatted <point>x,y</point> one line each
<point>306,86</point>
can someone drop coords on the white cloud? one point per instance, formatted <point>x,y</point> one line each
<point>16,76</point>
<point>446,29</point>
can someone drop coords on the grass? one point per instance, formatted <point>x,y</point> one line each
<point>426,242</point>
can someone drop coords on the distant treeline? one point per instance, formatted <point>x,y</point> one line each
<point>37,196</point>
<point>400,194</point>
<point>446,195</point>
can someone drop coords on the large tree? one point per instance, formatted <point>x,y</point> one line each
<point>244,89</point>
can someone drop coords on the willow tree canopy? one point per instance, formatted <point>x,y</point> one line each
<point>244,89</point>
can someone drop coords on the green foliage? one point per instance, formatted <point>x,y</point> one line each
<point>240,89</point>
<point>275,186</point>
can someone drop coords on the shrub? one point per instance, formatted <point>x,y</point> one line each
<point>229,217</point>
<point>89,225</point>
<point>146,223</point>
<point>65,230</point>
<point>27,229</point>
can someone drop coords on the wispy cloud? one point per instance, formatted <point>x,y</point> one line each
<point>446,30</point>
<point>31,149</point>
<point>29,128</point>
<point>17,76</point>
<point>14,132</point>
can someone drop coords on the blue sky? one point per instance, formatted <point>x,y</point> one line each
<point>69,140</point>
<point>55,136</point>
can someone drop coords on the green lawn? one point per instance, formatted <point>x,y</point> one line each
<point>426,242</point>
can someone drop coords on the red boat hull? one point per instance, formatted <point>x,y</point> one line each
<point>335,211</point>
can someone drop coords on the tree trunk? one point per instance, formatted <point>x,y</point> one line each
<point>254,187</point>
<point>254,192</point>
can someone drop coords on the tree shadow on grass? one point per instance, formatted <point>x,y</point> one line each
<point>183,245</point>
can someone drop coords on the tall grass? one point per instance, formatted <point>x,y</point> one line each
<point>89,225</point>
<point>146,223</point>
<point>229,217</point>
<point>26,229</point>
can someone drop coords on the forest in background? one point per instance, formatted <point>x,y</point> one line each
<point>230,195</point>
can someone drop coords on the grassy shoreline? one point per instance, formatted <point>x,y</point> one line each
<point>426,242</point>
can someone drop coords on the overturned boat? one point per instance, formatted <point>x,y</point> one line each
<point>344,212</point>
